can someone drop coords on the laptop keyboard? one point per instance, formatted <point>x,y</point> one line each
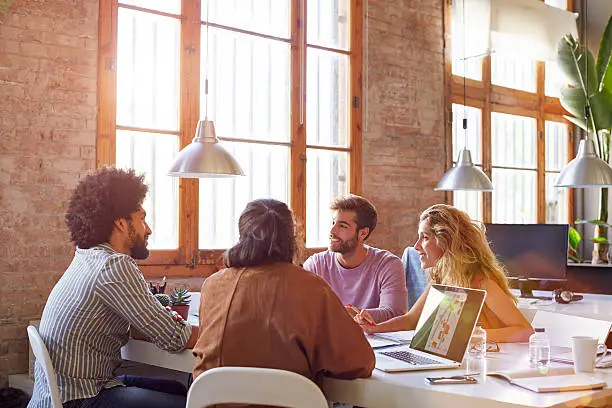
<point>410,358</point>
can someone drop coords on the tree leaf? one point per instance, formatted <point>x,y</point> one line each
<point>601,109</point>
<point>571,59</point>
<point>572,99</point>
<point>574,238</point>
<point>604,56</point>
<point>594,222</point>
<point>600,240</point>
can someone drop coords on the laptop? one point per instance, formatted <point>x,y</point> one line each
<point>442,333</point>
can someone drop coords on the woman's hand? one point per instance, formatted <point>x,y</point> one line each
<point>365,320</point>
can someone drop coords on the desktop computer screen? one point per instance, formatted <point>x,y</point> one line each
<point>530,252</point>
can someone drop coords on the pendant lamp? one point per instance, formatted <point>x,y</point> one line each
<point>204,156</point>
<point>464,175</point>
<point>587,169</point>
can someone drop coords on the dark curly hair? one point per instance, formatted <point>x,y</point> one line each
<point>267,234</point>
<point>106,195</point>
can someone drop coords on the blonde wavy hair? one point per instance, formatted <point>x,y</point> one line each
<point>465,250</point>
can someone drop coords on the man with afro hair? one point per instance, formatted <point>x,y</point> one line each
<point>88,315</point>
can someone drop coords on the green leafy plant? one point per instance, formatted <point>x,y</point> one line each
<point>573,241</point>
<point>590,83</point>
<point>180,297</point>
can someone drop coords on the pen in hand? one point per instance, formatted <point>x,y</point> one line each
<point>362,315</point>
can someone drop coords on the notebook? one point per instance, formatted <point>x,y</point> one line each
<point>442,333</point>
<point>557,379</point>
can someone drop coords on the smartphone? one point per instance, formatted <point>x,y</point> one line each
<point>455,379</point>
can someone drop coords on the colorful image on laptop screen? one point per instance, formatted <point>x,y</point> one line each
<point>446,323</point>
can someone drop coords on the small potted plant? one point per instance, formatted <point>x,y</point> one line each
<point>179,301</point>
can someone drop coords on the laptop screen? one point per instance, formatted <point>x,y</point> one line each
<point>447,321</point>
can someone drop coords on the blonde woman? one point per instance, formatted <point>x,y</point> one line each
<point>455,250</point>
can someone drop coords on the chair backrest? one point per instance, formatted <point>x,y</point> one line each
<point>251,385</point>
<point>42,356</point>
<point>416,277</point>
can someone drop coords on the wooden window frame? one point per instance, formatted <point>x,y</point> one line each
<point>188,259</point>
<point>490,98</point>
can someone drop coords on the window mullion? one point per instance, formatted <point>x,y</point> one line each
<point>356,92</point>
<point>189,116</point>
<point>541,141</point>
<point>107,83</point>
<point>487,201</point>
<point>298,110</point>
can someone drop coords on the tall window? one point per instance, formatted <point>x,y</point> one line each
<point>283,90</point>
<point>516,133</point>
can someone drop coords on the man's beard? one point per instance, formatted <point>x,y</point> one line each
<point>138,249</point>
<point>344,247</point>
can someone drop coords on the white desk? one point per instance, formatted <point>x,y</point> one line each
<point>393,390</point>
<point>593,306</point>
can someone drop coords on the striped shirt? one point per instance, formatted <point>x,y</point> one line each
<point>87,320</point>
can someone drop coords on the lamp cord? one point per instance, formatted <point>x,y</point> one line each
<point>465,138</point>
<point>206,67</point>
<point>587,108</point>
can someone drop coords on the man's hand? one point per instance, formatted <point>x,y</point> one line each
<point>175,316</point>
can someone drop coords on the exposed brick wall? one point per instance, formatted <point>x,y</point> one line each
<point>403,137</point>
<point>48,59</point>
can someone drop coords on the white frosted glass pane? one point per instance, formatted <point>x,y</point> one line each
<point>166,6</point>
<point>327,98</point>
<point>474,127</point>
<point>472,68</point>
<point>327,179</point>
<point>511,71</point>
<point>223,200</point>
<point>555,80</point>
<point>514,196</point>
<point>557,201</point>
<point>153,154</point>
<point>329,23</point>
<point>562,4</point>
<point>249,86</point>
<point>470,202</point>
<point>469,66</point>
<point>556,145</point>
<point>147,70</point>
<point>513,140</point>
<point>270,17</point>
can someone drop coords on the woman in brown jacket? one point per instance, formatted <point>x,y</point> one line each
<point>265,311</point>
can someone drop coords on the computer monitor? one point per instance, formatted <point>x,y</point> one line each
<point>531,253</point>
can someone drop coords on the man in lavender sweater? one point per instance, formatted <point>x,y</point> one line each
<point>362,276</point>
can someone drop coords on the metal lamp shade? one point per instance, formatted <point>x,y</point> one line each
<point>205,157</point>
<point>586,170</point>
<point>464,176</point>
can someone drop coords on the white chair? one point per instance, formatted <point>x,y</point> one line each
<point>42,356</point>
<point>250,385</point>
